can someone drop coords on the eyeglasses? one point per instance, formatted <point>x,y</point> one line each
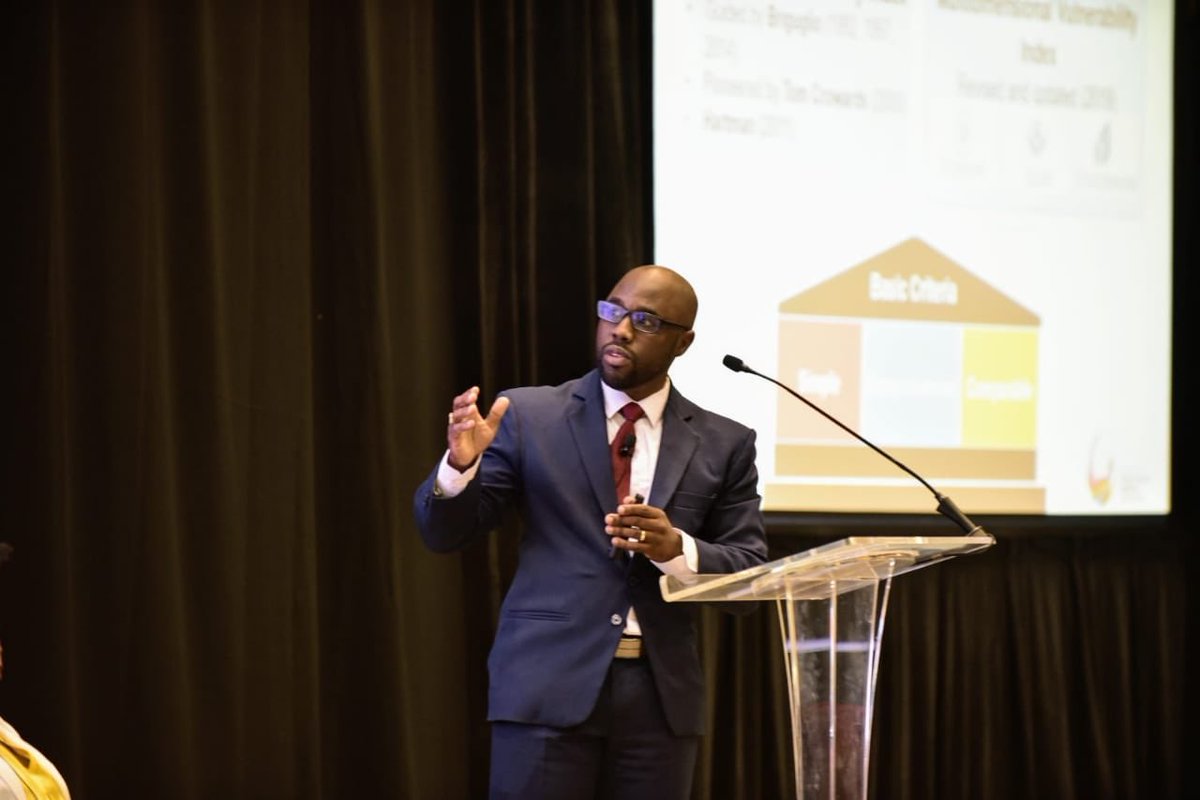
<point>643,321</point>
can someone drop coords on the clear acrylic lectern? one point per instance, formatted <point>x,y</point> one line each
<point>832,601</point>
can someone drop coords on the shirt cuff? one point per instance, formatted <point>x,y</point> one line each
<point>450,482</point>
<point>686,564</point>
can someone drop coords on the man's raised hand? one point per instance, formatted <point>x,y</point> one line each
<point>468,433</point>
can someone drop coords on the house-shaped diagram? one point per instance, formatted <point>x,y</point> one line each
<point>926,361</point>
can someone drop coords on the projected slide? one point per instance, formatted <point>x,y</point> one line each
<point>946,223</point>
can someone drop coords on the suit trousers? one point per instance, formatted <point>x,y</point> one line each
<point>624,750</point>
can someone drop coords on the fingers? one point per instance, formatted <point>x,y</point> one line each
<point>463,449</point>
<point>640,528</point>
<point>467,433</point>
<point>633,508</point>
<point>464,413</point>
<point>634,512</point>
<point>657,544</point>
<point>462,410</point>
<point>497,411</point>
<point>630,521</point>
<point>633,538</point>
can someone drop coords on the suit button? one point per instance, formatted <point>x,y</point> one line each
<point>615,619</point>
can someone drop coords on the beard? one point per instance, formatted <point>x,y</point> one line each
<point>622,377</point>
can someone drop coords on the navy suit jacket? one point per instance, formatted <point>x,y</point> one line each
<point>564,613</point>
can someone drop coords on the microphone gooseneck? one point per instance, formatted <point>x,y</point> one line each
<point>945,507</point>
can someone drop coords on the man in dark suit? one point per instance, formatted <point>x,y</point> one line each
<point>596,687</point>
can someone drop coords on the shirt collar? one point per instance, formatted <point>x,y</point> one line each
<point>652,406</point>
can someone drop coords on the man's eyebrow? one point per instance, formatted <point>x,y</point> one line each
<point>644,309</point>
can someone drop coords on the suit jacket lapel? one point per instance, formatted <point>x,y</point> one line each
<point>675,450</point>
<point>589,428</point>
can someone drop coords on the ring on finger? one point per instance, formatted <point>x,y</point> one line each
<point>641,534</point>
<point>450,418</point>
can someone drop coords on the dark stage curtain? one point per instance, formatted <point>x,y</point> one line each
<point>252,251</point>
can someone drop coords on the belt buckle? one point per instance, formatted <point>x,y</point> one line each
<point>629,647</point>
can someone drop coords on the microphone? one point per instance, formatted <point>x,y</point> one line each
<point>945,507</point>
<point>627,445</point>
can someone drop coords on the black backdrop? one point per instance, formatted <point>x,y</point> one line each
<point>252,249</point>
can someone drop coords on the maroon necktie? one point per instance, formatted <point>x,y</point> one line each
<point>621,449</point>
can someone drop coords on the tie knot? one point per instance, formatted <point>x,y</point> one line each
<point>632,412</point>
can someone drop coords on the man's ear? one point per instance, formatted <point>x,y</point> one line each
<point>685,342</point>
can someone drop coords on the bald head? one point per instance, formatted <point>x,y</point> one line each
<point>673,295</point>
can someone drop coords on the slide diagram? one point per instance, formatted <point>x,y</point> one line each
<point>926,361</point>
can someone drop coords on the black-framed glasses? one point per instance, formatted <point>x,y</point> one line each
<point>643,321</point>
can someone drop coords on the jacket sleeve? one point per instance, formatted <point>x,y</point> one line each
<point>733,535</point>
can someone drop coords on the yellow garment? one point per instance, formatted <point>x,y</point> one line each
<point>39,778</point>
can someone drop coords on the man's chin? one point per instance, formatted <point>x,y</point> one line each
<point>616,378</point>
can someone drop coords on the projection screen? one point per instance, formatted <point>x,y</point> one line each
<point>946,223</point>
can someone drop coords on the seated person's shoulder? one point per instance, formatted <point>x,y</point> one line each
<point>24,771</point>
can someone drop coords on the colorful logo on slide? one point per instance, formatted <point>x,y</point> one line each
<point>1100,470</point>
